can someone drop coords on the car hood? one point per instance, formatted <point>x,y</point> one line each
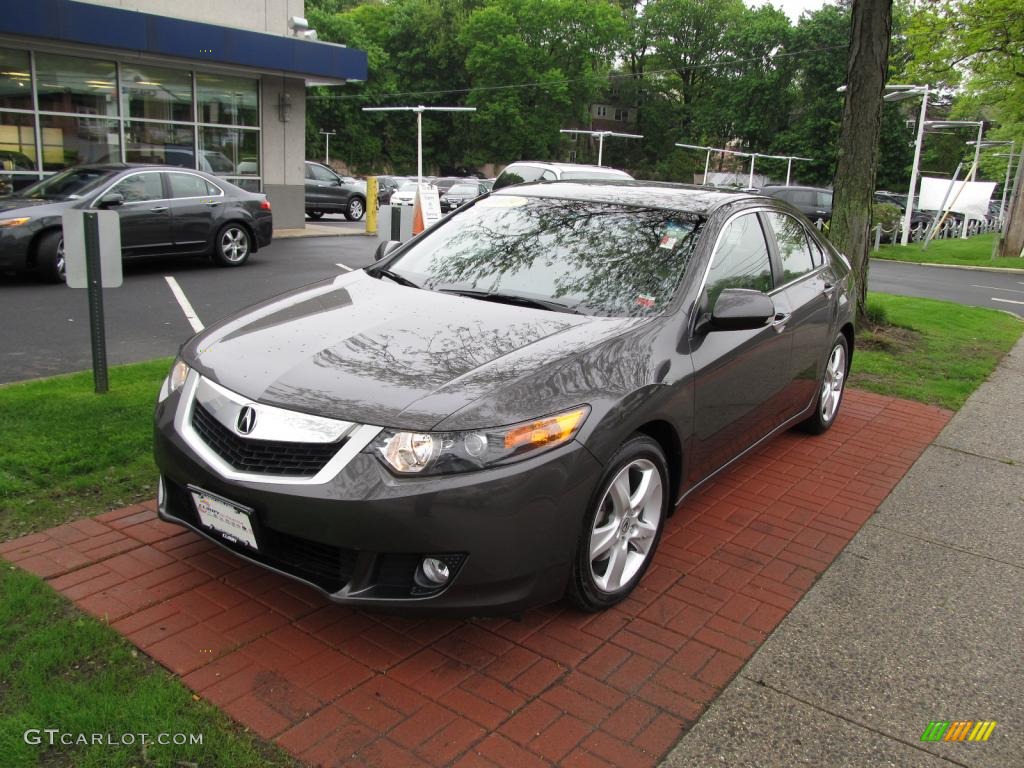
<point>368,350</point>
<point>12,205</point>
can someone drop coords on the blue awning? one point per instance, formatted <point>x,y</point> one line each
<point>88,24</point>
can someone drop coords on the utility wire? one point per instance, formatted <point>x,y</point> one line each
<point>552,83</point>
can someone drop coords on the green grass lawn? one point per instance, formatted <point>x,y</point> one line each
<point>935,352</point>
<point>973,252</point>
<point>68,452</point>
<point>62,669</point>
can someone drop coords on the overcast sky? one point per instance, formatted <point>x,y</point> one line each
<point>793,8</point>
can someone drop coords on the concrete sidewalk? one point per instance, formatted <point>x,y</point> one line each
<point>920,618</point>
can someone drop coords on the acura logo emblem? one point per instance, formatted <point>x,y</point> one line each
<point>246,420</point>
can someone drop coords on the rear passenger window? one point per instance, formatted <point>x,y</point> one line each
<point>187,185</point>
<point>794,251</point>
<point>741,259</point>
<point>517,174</point>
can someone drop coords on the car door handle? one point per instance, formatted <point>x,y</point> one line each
<point>158,209</point>
<point>779,321</point>
<point>828,289</point>
<point>213,203</point>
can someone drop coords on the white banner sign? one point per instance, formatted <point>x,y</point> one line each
<point>971,198</point>
<point>426,208</point>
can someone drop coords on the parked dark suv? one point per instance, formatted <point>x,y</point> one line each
<point>327,192</point>
<point>813,202</point>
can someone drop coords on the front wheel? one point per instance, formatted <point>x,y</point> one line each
<point>355,209</point>
<point>231,249</point>
<point>830,394</point>
<point>622,528</point>
<point>50,257</point>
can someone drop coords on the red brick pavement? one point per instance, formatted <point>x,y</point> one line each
<point>337,686</point>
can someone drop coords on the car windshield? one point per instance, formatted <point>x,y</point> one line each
<point>67,185</point>
<point>590,257</point>
<point>461,190</point>
<point>407,186</point>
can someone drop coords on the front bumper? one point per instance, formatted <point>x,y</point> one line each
<point>508,533</point>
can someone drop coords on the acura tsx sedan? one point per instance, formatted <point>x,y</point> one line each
<point>164,211</point>
<point>505,410</point>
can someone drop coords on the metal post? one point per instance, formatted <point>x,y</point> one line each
<point>750,184</point>
<point>1006,186</point>
<point>707,167</point>
<point>943,213</point>
<point>419,147</point>
<point>789,169</point>
<point>95,288</point>
<point>600,148</point>
<point>878,236</point>
<point>913,173</point>
<point>974,172</point>
<point>327,151</point>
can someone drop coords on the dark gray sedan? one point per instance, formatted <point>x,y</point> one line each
<point>506,409</point>
<point>164,211</point>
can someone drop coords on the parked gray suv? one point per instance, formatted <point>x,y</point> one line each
<point>327,192</point>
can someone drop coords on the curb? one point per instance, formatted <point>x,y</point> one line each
<point>1008,270</point>
<point>288,234</point>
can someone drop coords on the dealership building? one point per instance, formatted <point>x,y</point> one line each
<point>217,85</point>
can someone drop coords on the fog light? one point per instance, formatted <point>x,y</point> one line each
<point>435,571</point>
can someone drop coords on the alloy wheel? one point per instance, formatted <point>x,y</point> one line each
<point>234,244</point>
<point>626,525</point>
<point>60,264</point>
<point>832,383</point>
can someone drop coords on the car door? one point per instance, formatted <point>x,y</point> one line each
<point>196,208</point>
<point>739,376</point>
<point>323,188</point>
<point>804,300</point>
<point>145,214</point>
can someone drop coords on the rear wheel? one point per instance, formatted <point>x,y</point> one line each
<point>622,528</point>
<point>232,246</point>
<point>830,394</point>
<point>355,209</point>
<point>314,214</point>
<point>50,257</point>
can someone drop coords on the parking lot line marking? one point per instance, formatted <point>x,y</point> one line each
<point>183,302</point>
<point>349,269</point>
<point>1007,301</point>
<point>996,288</point>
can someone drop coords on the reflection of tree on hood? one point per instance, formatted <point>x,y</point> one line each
<point>610,259</point>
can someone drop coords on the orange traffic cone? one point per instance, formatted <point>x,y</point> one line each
<point>417,215</point>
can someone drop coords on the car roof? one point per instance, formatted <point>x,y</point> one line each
<point>566,166</point>
<point>642,194</point>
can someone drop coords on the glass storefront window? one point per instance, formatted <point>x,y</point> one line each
<point>71,84</point>
<point>228,100</point>
<point>229,151</point>
<point>155,93</point>
<point>249,185</point>
<point>15,80</point>
<point>74,139</point>
<point>160,144</point>
<point>17,142</point>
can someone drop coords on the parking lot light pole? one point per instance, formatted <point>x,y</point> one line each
<point>601,137</point>
<point>419,110</point>
<point>327,149</point>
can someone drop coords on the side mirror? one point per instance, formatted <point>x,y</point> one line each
<point>385,247</point>
<point>110,200</point>
<point>739,309</point>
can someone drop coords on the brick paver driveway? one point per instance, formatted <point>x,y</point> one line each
<point>338,686</point>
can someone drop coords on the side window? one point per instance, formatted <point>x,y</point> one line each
<point>741,259</point>
<point>794,251</point>
<point>322,174</point>
<point>187,185</point>
<point>548,176</point>
<point>140,187</point>
<point>824,199</point>
<point>517,174</point>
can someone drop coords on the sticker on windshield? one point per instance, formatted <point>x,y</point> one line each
<point>502,201</point>
<point>672,235</point>
<point>645,301</point>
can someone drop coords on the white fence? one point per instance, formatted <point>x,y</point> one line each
<point>919,232</point>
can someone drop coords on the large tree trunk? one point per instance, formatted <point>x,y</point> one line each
<point>854,184</point>
<point>1012,243</point>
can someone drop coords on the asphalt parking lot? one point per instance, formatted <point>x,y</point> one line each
<point>46,327</point>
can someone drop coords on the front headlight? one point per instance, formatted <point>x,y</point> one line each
<point>175,380</point>
<point>437,453</point>
<point>15,222</point>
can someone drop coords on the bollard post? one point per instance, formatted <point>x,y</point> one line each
<point>94,279</point>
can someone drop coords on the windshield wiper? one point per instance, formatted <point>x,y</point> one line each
<point>394,276</point>
<point>511,298</point>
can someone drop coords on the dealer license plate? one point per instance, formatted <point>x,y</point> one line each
<point>229,520</point>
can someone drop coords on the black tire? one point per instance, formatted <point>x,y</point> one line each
<point>50,257</point>
<point>315,214</point>
<point>825,412</point>
<point>355,209</point>
<point>232,246</point>
<point>585,591</point>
